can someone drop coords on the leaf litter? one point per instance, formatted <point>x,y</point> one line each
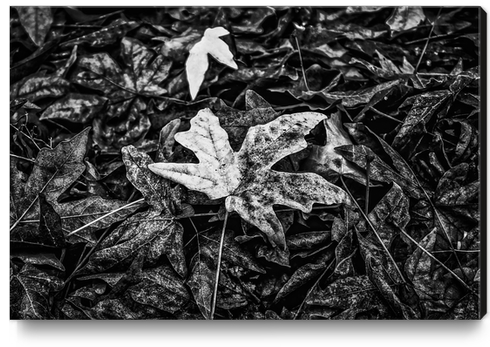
<point>235,163</point>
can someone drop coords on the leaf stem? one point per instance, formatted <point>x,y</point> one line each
<point>218,267</point>
<point>105,216</point>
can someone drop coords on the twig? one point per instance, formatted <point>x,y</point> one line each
<point>22,158</point>
<point>312,288</point>
<point>301,63</point>
<point>437,260</point>
<point>427,41</point>
<point>368,221</point>
<point>218,267</point>
<point>385,115</point>
<point>366,203</point>
<point>105,216</point>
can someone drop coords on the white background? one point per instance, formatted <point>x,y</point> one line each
<point>229,333</point>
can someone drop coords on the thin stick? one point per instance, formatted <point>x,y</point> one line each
<point>218,267</point>
<point>385,115</point>
<point>105,216</point>
<point>427,41</point>
<point>301,62</point>
<point>368,221</point>
<point>298,311</point>
<point>366,203</point>
<point>436,260</point>
<point>22,158</point>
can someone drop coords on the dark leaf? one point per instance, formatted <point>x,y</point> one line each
<point>145,230</point>
<point>405,18</point>
<point>424,106</point>
<point>39,86</point>
<point>30,292</point>
<point>36,21</point>
<point>160,288</point>
<point>378,170</point>
<point>44,259</point>
<point>105,36</point>
<point>76,108</point>
<point>154,188</point>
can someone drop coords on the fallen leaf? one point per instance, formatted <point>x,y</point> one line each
<point>325,161</point>
<point>245,178</point>
<point>30,292</point>
<point>105,36</point>
<point>37,258</point>
<point>159,234</point>
<point>423,108</point>
<point>40,86</point>
<point>160,288</point>
<point>36,21</point>
<point>54,172</point>
<point>76,108</point>
<point>197,63</point>
<point>405,18</point>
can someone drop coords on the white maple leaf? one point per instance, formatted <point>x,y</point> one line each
<point>246,177</point>
<point>197,63</point>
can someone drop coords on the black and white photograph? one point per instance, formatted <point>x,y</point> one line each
<point>247,163</point>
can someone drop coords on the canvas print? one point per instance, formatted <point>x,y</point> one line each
<point>239,163</point>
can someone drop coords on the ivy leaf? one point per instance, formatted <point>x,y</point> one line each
<point>197,63</point>
<point>245,178</point>
<point>36,21</point>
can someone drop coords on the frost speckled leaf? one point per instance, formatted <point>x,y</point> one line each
<point>245,178</point>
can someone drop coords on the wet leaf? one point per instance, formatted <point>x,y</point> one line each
<point>35,258</point>
<point>303,275</point>
<point>39,86</point>
<point>308,240</point>
<point>76,108</point>
<point>424,106</point>
<point>361,96</point>
<point>30,292</point>
<point>405,18</point>
<point>378,169</point>
<point>105,36</point>
<point>146,232</point>
<point>36,21</point>
<point>160,288</point>
<point>197,63</point>
<point>352,295</point>
<point>224,173</point>
<point>54,172</point>
<point>154,188</point>
<point>325,161</point>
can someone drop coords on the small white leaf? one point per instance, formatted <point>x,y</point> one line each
<point>197,63</point>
